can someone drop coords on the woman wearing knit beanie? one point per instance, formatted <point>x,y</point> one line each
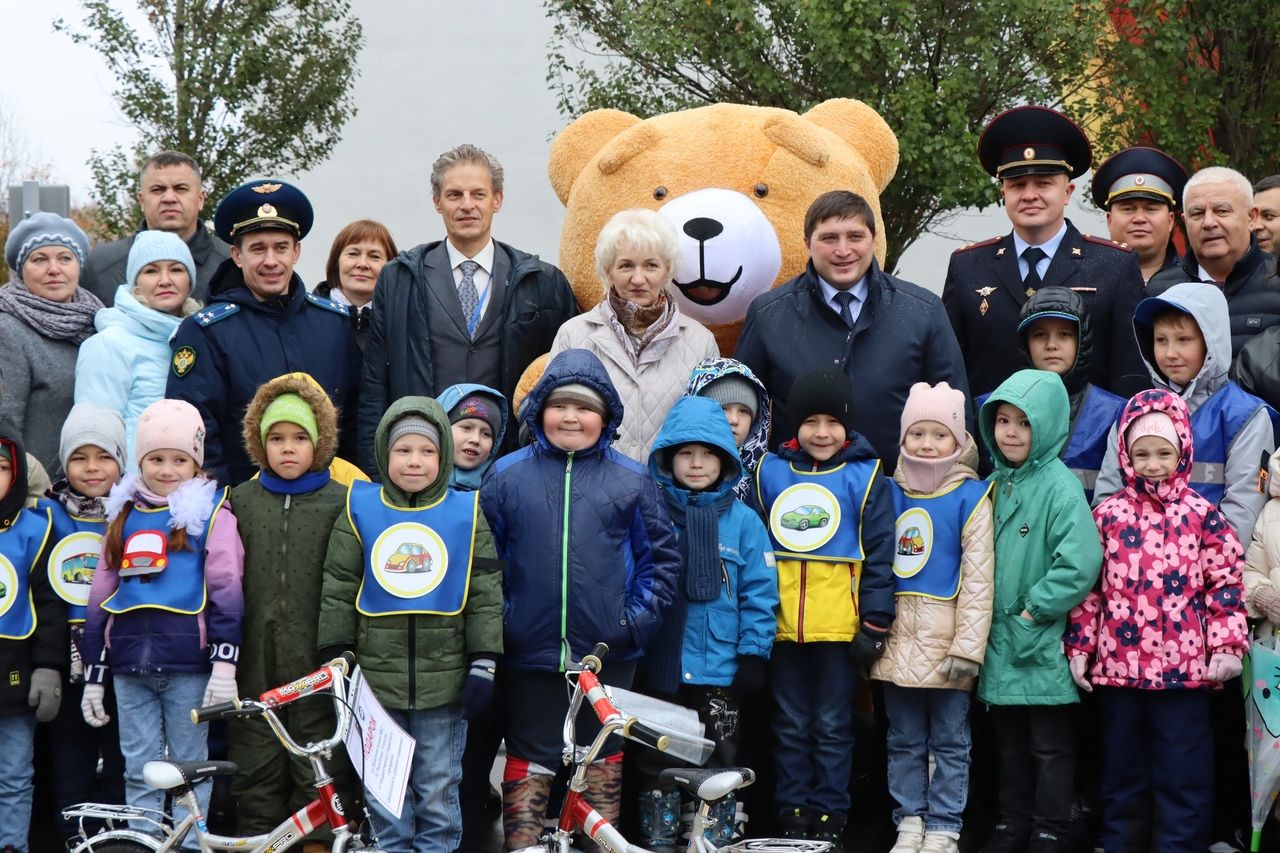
<point>944,564</point>
<point>124,367</point>
<point>44,317</point>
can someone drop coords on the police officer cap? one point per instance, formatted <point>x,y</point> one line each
<point>1139,173</point>
<point>260,206</point>
<point>1034,141</point>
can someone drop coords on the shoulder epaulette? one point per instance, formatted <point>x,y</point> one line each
<point>214,313</point>
<point>1103,241</point>
<point>979,244</point>
<point>328,305</point>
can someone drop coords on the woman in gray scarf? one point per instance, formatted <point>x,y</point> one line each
<point>44,317</point>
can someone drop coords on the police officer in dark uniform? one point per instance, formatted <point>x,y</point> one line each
<point>1140,189</point>
<point>1036,153</point>
<point>260,323</point>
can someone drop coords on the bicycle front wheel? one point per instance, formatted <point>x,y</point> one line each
<point>115,846</point>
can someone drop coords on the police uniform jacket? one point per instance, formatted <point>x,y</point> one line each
<point>984,293</point>
<point>224,352</point>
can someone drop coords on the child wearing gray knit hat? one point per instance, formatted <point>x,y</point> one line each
<point>90,424</point>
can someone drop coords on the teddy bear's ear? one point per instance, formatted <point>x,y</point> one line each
<point>797,136</point>
<point>864,129</point>
<point>574,146</point>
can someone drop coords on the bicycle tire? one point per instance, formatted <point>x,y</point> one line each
<point>121,846</point>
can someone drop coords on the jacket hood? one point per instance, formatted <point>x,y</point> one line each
<point>429,409</point>
<point>1273,476</point>
<point>1065,304</point>
<point>700,420</point>
<point>711,369</point>
<point>1208,307</point>
<point>135,318</point>
<point>12,501</point>
<point>314,396</point>
<point>572,366</point>
<point>450,397</point>
<point>1043,397</point>
<point>1156,400</point>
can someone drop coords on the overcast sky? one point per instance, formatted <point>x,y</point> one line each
<point>433,74</point>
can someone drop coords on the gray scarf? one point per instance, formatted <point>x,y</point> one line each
<point>62,321</point>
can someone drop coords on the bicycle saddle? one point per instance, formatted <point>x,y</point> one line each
<point>708,783</point>
<point>167,775</point>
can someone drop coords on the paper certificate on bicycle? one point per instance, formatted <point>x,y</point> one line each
<point>381,751</point>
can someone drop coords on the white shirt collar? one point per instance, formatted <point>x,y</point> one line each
<point>859,291</point>
<point>484,257</point>
<point>1050,246</point>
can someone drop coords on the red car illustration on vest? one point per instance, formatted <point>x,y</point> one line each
<point>409,558</point>
<point>145,553</point>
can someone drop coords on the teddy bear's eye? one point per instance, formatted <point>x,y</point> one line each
<point>761,190</point>
<point>660,193</point>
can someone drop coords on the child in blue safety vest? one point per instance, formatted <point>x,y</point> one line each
<point>165,607</point>
<point>830,515</point>
<point>33,639</point>
<point>412,584</point>
<point>944,566</point>
<point>92,452</point>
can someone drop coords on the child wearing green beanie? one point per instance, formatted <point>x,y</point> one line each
<point>285,514</point>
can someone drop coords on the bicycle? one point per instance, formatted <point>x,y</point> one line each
<point>128,829</point>
<point>704,786</point>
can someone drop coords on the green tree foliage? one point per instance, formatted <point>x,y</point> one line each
<point>1199,79</point>
<point>937,70</point>
<point>244,86</point>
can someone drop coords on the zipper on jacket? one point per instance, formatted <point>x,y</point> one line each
<point>724,573</point>
<point>804,572</point>
<point>564,567</point>
<point>413,661</point>
<point>284,551</point>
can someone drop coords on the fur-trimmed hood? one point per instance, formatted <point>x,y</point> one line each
<point>310,391</point>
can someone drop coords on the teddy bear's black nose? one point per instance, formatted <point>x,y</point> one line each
<point>702,229</point>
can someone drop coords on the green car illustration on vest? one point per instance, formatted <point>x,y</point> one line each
<point>805,516</point>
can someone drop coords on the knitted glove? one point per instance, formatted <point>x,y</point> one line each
<point>222,684</point>
<point>750,675</point>
<point>958,668</point>
<point>1267,600</point>
<point>1080,672</point>
<point>477,693</point>
<point>1224,667</point>
<point>46,693</point>
<point>93,705</point>
<point>868,645</point>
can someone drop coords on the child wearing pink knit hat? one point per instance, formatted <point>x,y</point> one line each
<point>167,592</point>
<point>943,572</point>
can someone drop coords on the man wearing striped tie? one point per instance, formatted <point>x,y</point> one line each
<point>464,309</point>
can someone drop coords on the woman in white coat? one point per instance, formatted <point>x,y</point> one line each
<point>648,347</point>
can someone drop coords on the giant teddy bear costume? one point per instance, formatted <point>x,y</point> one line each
<point>735,181</point>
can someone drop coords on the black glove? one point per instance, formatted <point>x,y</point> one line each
<point>750,676</point>
<point>477,693</point>
<point>868,644</point>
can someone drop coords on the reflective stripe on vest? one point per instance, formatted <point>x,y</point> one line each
<point>1214,427</point>
<point>416,559</point>
<point>928,537</point>
<point>1087,445</point>
<point>20,547</point>
<point>816,514</point>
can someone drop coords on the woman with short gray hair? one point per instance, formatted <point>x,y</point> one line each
<point>648,347</point>
<point>44,317</point>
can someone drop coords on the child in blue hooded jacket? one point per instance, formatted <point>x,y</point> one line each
<point>716,637</point>
<point>478,417</point>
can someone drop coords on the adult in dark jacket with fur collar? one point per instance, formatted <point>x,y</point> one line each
<point>463,309</point>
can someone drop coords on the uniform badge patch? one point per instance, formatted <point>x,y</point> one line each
<point>984,292</point>
<point>184,358</point>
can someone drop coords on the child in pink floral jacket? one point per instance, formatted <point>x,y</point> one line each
<point>1165,626</point>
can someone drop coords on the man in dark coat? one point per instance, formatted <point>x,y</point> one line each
<point>260,323</point>
<point>171,197</point>
<point>463,309</point>
<point>844,312</point>
<point>1217,208</point>
<point>1036,153</point>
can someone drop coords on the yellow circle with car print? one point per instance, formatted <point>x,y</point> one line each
<point>913,538</point>
<point>804,517</point>
<point>409,560</point>
<point>71,565</point>
<point>8,585</point>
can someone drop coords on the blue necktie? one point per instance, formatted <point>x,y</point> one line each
<point>845,298</point>
<point>468,295</point>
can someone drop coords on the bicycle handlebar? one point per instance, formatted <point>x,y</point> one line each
<point>638,731</point>
<point>216,712</point>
